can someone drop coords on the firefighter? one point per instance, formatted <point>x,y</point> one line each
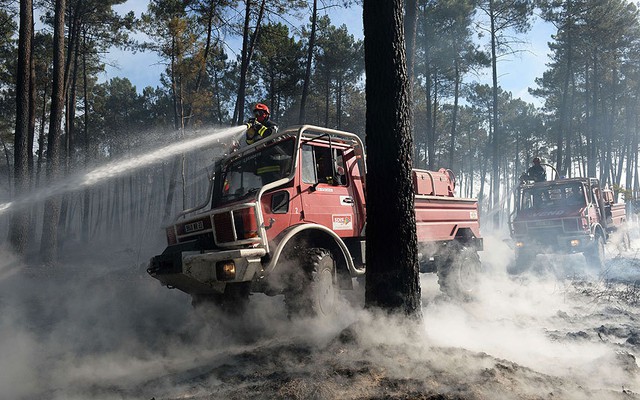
<point>536,172</point>
<point>260,126</point>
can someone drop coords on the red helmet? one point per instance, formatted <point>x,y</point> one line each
<point>261,112</point>
<point>261,107</point>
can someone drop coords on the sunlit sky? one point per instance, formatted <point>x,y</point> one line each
<point>516,72</point>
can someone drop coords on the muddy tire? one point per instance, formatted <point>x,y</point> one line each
<point>459,271</point>
<point>233,301</point>
<point>596,254</point>
<point>311,285</point>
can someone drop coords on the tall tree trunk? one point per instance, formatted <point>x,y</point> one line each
<point>86,196</point>
<point>454,115</point>
<point>433,138</point>
<point>428,83</point>
<point>410,32</point>
<point>339,103</point>
<point>307,72</point>
<point>495,144</point>
<point>248,44</point>
<point>205,53</point>
<point>19,223</point>
<point>178,120</point>
<point>41,135</point>
<point>327,94</point>
<point>69,143</point>
<point>392,265</point>
<point>33,94</point>
<point>7,158</point>
<point>564,114</point>
<point>49,244</point>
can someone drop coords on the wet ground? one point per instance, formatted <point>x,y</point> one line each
<point>102,329</point>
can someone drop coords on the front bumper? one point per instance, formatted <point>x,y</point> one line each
<point>558,244</point>
<point>195,272</point>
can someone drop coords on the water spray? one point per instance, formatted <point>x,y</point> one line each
<point>119,167</point>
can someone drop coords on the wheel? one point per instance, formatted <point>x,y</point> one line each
<point>233,301</point>
<point>311,286</point>
<point>595,255</point>
<point>523,262</point>
<point>459,271</point>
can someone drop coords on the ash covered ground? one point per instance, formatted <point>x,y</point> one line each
<point>98,327</point>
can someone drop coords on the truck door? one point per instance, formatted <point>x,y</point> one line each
<point>326,190</point>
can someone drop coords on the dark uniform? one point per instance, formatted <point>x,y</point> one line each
<point>260,126</point>
<point>536,172</point>
<point>257,130</point>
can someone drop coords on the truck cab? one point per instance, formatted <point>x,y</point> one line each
<point>294,198</point>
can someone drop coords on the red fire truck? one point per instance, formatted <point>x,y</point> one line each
<point>288,216</point>
<point>565,216</point>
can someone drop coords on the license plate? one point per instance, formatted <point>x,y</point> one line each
<point>194,227</point>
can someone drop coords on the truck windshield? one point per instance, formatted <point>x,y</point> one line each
<point>245,176</point>
<point>553,196</point>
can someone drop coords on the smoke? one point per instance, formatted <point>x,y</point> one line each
<point>541,320</point>
<point>96,326</point>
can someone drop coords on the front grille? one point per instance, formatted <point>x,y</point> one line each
<point>545,223</point>
<point>570,225</point>
<point>544,236</point>
<point>223,226</point>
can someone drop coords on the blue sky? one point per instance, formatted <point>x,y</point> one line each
<point>516,73</point>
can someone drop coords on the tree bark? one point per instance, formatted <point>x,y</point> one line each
<point>392,280</point>
<point>495,144</point>
<point>86,196</point>
<point>19,223</point>
<point>454,116</point>
<point>307,73</point>
<point>49,243</point>
<point>248,44</point>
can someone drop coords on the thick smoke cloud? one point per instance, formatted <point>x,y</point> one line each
<point>99,328</point>
<point>96,326</point>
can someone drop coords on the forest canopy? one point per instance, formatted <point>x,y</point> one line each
<point>58,116</point>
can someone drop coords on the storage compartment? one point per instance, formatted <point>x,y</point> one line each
<point>430,183</point>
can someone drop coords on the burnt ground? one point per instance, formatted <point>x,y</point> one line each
<point>97,327</point>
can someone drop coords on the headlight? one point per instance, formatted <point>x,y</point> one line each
<point>225,270</point>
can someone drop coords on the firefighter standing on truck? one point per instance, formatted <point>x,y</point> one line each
<point>260,126</point>
<point>536,172</point>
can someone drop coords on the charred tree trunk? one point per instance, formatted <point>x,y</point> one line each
<point>19,223</point>
<point>392,265</point>
<point>49,244</point>
<point>454,116</point>
<point>33,94</point>
<point>495,144</point>
<point>248,44</point>
<point>410,33</point>
<point>86,196</point>
<point>307,73</point>
<point>327,95</point>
